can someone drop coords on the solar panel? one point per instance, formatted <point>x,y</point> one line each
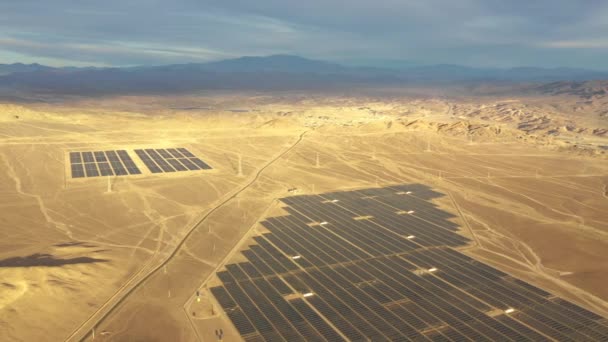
<point>105,170</point>
<point>77,171</point>
<point>88,157</point>
<point>364,279</point>
<point>190,165</point>
<point>175,153</point>
<point>164,153</point>
<point>148,161</point>
<point>100,156</point>
<point>75,157</point>
<point>128,162</point>
<point>117,165</point>
<point>171,160</point>
<point>186,153</point>
<point>91,169</point>
<point>102,163</point>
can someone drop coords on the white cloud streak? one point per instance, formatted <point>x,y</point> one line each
<point>474,32</point>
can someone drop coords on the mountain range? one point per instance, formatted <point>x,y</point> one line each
<point>270,72</point>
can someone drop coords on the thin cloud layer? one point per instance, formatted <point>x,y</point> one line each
<point>471,32</point>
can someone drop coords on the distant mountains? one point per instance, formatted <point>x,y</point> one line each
<point>271,72</point>
<point>587,90</point>
<point>6,69</point>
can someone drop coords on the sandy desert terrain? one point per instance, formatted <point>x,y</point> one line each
<point>121,259</point>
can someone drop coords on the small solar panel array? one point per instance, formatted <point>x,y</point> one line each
<point>380,265</point>
<point>119,163</point>
<point>171,160</point>
<point>102,163</point>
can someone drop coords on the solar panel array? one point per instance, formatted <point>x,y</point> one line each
<point>171,160</point>
<point>102,163</point>
<point>380,265</point>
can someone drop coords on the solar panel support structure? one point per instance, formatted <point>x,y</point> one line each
<point>240,174</point>
<point>109,190</point>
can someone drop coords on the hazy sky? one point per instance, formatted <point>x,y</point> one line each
<point>500,33</point>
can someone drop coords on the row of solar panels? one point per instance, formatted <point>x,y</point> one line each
<point>171,160</point>
<point>357,280</point>
<point>102,163</point>
<point>119,163</point>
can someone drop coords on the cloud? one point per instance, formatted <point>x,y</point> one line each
<point>578,44</point>
<point>109,53</point>
<point>473,32</point>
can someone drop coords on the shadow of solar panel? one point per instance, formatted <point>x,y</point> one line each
<point>366,279</point>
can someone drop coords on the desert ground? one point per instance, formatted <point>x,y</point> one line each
<point>121,258</point>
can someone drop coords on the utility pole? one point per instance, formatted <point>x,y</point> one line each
<point>168,283</point>
<point>240,174</point>
<point>109,190</point>
<point>318,164</point>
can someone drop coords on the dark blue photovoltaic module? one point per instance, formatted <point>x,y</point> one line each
<point>161,160</point>
<point>102,163</point>
<point>382,265</point>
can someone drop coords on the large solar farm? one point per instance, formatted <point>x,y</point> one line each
<point>383,265</point>
<point>302,219</point>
